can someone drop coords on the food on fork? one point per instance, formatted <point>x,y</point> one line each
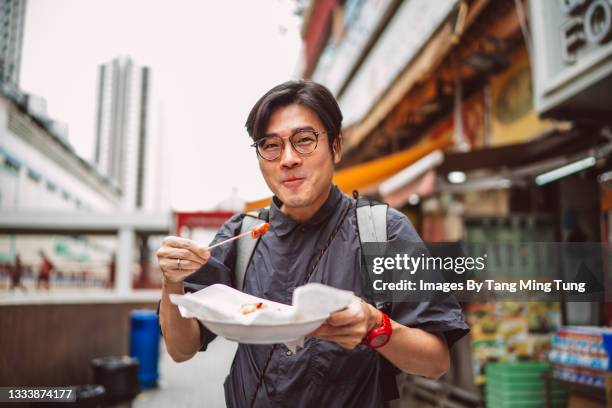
<point>260,230</point>
<point>254,233</point>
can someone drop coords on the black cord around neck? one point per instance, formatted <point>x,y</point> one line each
<point>306,280</point>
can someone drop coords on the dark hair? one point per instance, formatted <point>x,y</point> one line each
<point>307,93</point>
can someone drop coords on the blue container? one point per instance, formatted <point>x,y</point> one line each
<point>144,345</point>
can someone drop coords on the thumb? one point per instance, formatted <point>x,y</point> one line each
<point>203,252</point>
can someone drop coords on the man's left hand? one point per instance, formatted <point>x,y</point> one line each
<point>349,326</point>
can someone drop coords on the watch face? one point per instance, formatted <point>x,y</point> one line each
<point>379,340</point>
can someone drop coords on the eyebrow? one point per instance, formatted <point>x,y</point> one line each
<point>293,131</point>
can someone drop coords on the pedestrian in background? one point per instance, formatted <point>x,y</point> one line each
<point>44,274</point>
<point>112,272</point>
<point>16,273</point>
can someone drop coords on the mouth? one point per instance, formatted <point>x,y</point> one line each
<point>293,182</point>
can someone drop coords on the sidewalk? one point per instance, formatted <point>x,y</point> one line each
<point>194,383</point>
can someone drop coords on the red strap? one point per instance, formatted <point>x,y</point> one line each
<point>379,336</point>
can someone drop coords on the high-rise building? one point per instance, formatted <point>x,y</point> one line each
<point>122,127</point>
<point>12,18</point>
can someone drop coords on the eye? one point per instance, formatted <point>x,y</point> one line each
<point>304,138</point>
<point>269,144</point>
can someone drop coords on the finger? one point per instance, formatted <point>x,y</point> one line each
<point>174,275</point>
<point>170,266</point>
<point>314,333</point>
<point>322,330</point>
<point>351,331</point>
<point>184,265</point>
<point>183,254</point>
<point>187,265</point>
<point>346,317</point>
<point>203,252</point>
<point>180,242</point>
<point>328,331</point>
<point>179,253</point>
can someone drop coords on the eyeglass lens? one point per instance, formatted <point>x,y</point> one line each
<point>304,142</point>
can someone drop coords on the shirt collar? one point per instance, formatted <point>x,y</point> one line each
<point>282,224</point>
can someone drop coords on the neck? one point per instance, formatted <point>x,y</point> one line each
<point>303,214</point>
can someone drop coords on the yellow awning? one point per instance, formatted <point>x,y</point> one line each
<point>364,175</point>
<point>376,171</point>
<point>254,205</point>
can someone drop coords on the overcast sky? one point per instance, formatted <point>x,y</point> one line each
<point>210,61</point>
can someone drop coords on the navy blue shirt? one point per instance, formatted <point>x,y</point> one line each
<point>322,373</point>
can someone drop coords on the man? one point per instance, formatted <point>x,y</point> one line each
<point>16,273</point>
<point>44,274</point>
<point>112,271</point>
<point>296,128</point>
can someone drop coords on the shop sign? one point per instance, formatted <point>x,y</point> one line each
<point>513,119</point>
<point>572,57</point>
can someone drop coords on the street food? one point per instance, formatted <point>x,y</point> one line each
<point>249,308</point>
<point>260,230</point>
<point>254,233</point>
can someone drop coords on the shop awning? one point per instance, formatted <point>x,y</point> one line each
<point>376,171</point>
<point>542,172</point>
<point>370,174</point>
<point>411,173</point>
<point>552,144</point>
<point>422,186</point>
<point>254,205</point>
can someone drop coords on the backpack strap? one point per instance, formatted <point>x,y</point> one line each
<point>372,227</point>
<point>371,220</point>
<point>246,245</point>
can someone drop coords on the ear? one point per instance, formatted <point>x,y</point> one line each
<point>337,148</point>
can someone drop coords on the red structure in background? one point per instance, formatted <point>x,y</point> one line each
<point>316,32</point>
<point>199,219</point>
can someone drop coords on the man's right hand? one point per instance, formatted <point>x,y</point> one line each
<point>191,255</point>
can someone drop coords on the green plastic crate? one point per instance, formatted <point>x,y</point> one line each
<point>521,368</point>
<point>520,385</point>
<point>511,386</point>
<point>530,395</point>
<point>524,403</point>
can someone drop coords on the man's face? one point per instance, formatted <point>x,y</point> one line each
<point>302,182</point>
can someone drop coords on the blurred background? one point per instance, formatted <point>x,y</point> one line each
<point>121,122</point>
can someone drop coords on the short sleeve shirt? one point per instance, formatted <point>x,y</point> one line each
<point>322,373</point>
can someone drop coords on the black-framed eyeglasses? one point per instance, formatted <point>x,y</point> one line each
<point>303,141</point>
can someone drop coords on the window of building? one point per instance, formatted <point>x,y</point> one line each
<point>51,186</point>
<point>11,164</point>
<point>34,176</point>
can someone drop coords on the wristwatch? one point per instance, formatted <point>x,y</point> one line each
<point>379,336</point>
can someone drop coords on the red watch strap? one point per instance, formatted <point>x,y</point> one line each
<point>379,336</point>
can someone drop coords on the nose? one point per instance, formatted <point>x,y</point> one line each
<point>289,157</point>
